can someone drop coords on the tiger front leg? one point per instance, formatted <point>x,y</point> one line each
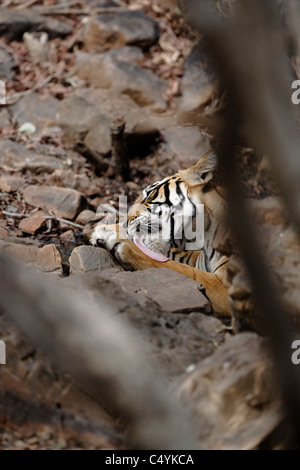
<point>113,238</point>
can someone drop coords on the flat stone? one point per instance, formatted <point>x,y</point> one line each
<point>11,183</point>
<point>33,224</point>
<point>109,31</point>
<point>46,259</point>
<point>86,117</point>
<point>175,339</point>
<point>15,156</point>
<point>14,23</point>
<point>37,109</point>
<point>8,65</point>
<point>89,258</point>
<point>63,202</point>
<point>85,217</point>
<point>186,144</point>
<point>141,85</point>
<point>162,285</point>
<point>68,236</point>
<point>199,82</point>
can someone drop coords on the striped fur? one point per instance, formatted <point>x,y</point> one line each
<point>166,200</point>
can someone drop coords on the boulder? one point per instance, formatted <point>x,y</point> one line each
<point>108,31</point>
<point>78,117</point>
<point>16,157</point>
<point>86,117</point>
<point>47,259</point>
<point>11,183</point>
<point>233,395</point>
<point>63,202</point>
<point>15,22</point>
<point>33,224</point>
<point>89,258</point>
<point>141,85</point>
<point>162,286</point>
<point>176,339</point>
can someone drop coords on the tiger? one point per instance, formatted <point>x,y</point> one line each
<point>136,247</point>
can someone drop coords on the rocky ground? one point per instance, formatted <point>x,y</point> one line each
<point>65,89</point>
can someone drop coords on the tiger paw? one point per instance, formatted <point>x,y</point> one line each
<point>107,236</point>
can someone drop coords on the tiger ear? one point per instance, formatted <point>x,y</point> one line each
<point>202,171</point>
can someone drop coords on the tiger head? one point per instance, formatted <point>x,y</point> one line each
<point>172,212</point>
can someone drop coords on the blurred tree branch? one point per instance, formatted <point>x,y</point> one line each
<point>250,53</point>
<point>101,352</point>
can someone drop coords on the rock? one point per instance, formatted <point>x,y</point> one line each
<point>89,258</point>
<point>14,23</point>
<point>186,144</point>
<point>34,393</point>
<point>46,259</point>
<point>33,224</point>
<point>78,118</point>
<point>4,233</point>
<point>15,156</point>
<point>113,30</point>
<point>233,395</point>
<point>199,82</point>
<point>49,259</point>
<point>11,183</point>
<point>8,65</point>
<point>4,118</point>
<point>63,202</point>
<point>138,121</point>
<point>85,217</point>
<point>37,109</point>
<point>162,286</point>
<point>68,236</point>
<point>141,85</point>
<point>37,45</point>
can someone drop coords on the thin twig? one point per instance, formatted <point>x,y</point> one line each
<point>48,217</point>
<point>13,214</point>
<point>65,221</point>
